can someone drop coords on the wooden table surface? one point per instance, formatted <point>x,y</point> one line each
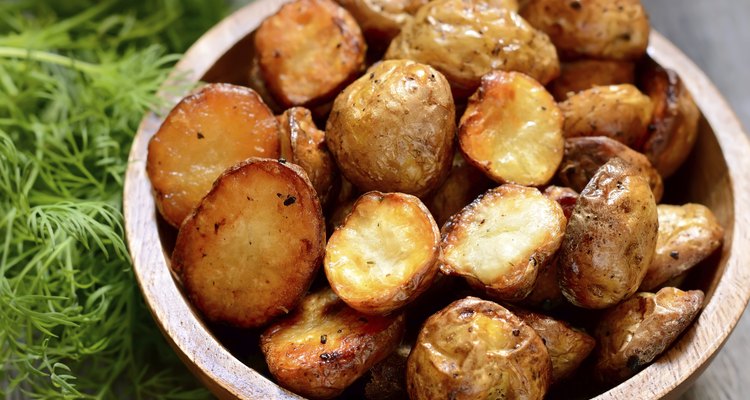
<point>715,35</point>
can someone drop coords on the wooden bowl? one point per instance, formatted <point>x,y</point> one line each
<point>715,175</point>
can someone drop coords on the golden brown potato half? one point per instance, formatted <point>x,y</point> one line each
<point>620,112</point>
<point>567,346</point>
<point>638,330</point>
<point>254,244</point>
<point>388,378</point>
<point>466,39</point>
<point>687,235</point>
<point>512,130</point>
<point>392,129</point>
<point>308,51</point>
<point>381,20</point>
<point>324,345</point>
<point>385,253</point>
<point>255,81</point>
<point>464,184</point>
<point>674,127</point>
<point>564,196</point>
<point>302,143</point>
<point>585,155</point>
<point>603,29</point>
<point>476,349</point>
<point>204,134</point>
<point>610,239</point>
<point>577,76</point>
<point>499,241</point>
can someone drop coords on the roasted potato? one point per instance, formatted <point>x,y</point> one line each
<point>585,155</point>
<point>392,129</point>
<point>464,184</point>
<point>308,51</point>
<point>512,130</point>
<point>385,253</point>
<point>204,134</point>
<point>388,378</point>
<point>381,20</point>
<point>499,241</point>
<point>253,245</point>
<point>476,349</point>
<point>546,294</point>
<point>602,29</point>
<point>635,332</point>
<point>577,76</point>
<point>564,196</point>
<point>620,112</point>
<point>687,235</point>
<point>255,81</point>
<point>324,345</point>
<point>302,143</point>
<point>567,346</point>
<point>674,127</point>
<point>466,39</point>
<point>339,214</point>
<point>610,238</point>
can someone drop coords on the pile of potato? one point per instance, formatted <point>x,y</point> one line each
<point>502,157</point>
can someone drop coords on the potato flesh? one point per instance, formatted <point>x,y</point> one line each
<point>384,255</point>
<point>512,130</point>
<point>202,136</point>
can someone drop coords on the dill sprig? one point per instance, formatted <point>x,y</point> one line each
<point>75,79</point>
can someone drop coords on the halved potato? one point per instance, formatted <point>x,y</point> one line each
<point>464,184</point>
<point>385,253</point>
<point>324,345</point>
<point>618,111</point>
<point>576,76</point>
<point>204,134</point>
<point>585,155</point>
<point>476,349</point>
<point>636,331</point>
<point>302,143</point>
<point>687,235</point>
<point>512,130</point>
<point>674,127</point>
<point>564,196</point>
<point>499,241</point>
<point>567,346</point>
<point>254,244</point>
<point>308,51</point>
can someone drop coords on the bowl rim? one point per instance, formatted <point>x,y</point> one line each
<point>227,377</point>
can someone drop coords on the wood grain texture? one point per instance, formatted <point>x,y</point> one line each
<point>719,182</point>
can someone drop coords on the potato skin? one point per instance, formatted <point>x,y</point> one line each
<point>476,349</point>
<point>602,29</point>
<point>463,184</point>
<point>444,34</point>
<point>308,51</point>
<point>564,196</point>
<point>585,155</point>
<point>382,20</point>
<point>577,76</point>
<point>610,238</point>
<point>687,235</point>
<point>635,332</point>
<point>392,129</point>
<point>618,111</point>
<point>324,346</point>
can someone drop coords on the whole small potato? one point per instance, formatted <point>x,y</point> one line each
<point>476,349</point>
<point>576,76</point>
<point>381,20</point>
<point>610,238</point>
<point>392,129</point>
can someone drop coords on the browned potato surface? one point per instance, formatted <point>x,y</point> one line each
<point>687,235</point>
<point>255,81</point>
<point>464,184</point>
<point>585,155</point>
<point>603,29</point>
<point>618,111</point>
<point>385,253</point>
<point>576,76</point>
<point>512,130</point>
<point>392,129</point>
<point>499,241</point>
<point>204,134</point>
<point>381,20</point>
<point>610,238</point>
<point>564,196</point>
<point>466,39</point>
<point>302,143</point>
<point>675,120</point>
<point>252,247</point>
<point>567,346</point>
<point>546,293</point>
<point>324,346</point>
<point>308,51</point>
<point>476,349</point>
<point>635,332</point>
<point>388,378</point>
